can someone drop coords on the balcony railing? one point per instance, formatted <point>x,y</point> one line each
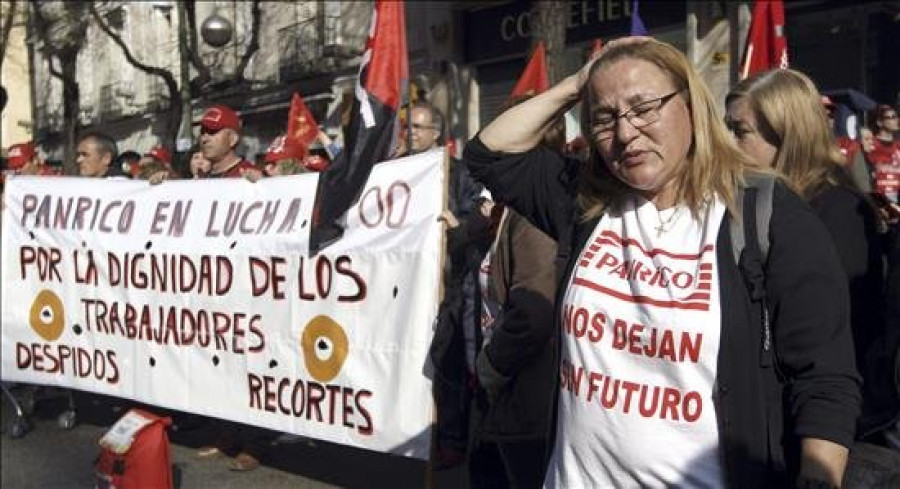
<point>108,103</point>
<point>300,46</point>
<point>158,98</point>
<point>223,61</point>
<point>47,120</point>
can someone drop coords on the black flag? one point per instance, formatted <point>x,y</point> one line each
<point>372,133</point>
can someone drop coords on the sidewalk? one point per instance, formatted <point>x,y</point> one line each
<point>49,457</point>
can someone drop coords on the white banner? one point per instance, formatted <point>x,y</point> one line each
<point>200,296</point>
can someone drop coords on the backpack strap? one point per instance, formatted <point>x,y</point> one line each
<point>764,186</point>
<point>751,248</point>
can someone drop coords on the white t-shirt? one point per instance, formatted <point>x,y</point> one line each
<point>640,340</point>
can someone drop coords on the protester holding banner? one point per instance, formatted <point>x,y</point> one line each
<point>468,236</point>
<point>96,154</point>
<point>778,120</point>
<point>156,165</point>
<point>220,133</point>
<point>667,369</point>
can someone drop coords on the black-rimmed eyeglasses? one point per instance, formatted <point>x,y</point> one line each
<point>422,127</point>
<point>603,124</point>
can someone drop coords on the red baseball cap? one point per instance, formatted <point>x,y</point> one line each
<point>284,148</point>
<point>220,117</point>
<point>161,154</point>
<point>20,154</point>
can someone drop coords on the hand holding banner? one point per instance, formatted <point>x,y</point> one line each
<point>201,296</point>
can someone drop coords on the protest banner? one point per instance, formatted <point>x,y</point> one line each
<point>202,297</point>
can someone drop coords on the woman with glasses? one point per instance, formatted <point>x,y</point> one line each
<point>662,378</point>
<point>777,118</point>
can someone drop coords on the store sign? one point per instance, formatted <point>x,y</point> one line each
<point>506,30</point>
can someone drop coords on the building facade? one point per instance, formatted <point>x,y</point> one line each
<point>302,46</point>
<point>464,56</point>
<point>15,76</point>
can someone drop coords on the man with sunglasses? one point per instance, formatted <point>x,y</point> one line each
<point>220,133</point>
<point>885,154</point>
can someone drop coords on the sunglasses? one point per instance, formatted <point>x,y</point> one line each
<point>211,132</point>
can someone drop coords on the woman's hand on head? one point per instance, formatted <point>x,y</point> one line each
<point>581,77</point>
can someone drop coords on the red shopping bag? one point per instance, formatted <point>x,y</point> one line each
<point>134,453</point>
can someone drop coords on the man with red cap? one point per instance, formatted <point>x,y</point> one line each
<point>22,159</point>
<point>155,165</point>
<point>850,148</point>
<point>158,154</point>
<point>220,133</point>
<point>285,157</point>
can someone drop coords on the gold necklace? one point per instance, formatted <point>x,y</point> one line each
<point>666,225</point>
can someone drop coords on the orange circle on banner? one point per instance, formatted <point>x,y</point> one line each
<point>325,347</point>
<point>47,316</point>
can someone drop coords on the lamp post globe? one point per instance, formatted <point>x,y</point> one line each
<point>216,31</point>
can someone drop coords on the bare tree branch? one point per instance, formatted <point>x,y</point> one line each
<point>153,70</point>
<point>203,73</point>
<point>53,71</point>
<point>67,56</point>
<point>175,109</point>
<point>41,27</point>
<point>253,47</point>
<point>8,17</point>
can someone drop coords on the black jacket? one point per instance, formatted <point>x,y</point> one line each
<point>853,225</point>
<point>812,380</point>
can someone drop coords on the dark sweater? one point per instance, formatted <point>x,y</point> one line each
<point>852,224</point>
<point>808,304</point>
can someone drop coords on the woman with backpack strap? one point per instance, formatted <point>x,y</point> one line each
<point>777,117</point>
<point>665,379</point>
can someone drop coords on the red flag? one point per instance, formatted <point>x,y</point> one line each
<point>301,126</point>
<point>534,79</point>
<point>372,133</point>
<point>766,46</point>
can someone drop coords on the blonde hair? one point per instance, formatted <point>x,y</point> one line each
<point>713,166</point>
<point>789,110</point>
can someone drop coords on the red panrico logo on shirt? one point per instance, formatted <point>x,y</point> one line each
<point>631,273</point>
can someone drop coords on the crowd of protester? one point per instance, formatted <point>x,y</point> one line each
<point>794,366</point>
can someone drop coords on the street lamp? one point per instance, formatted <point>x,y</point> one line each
<point>216,30</point>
